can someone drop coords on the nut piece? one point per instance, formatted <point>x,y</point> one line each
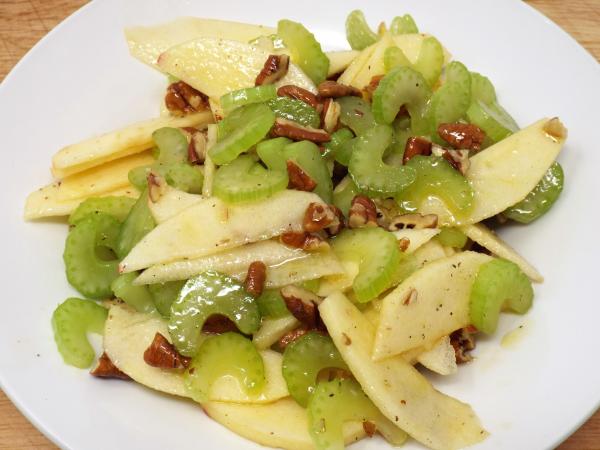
<point>334,89</point>
<point>459,159</point>
<point>290,337</point>
<point>296,132</point>
<point>305,241</point>
<point>218,324</point>
<point>182,99</point>
<point>416,146</point>
<point>106,369</point>
<point>555,129</point>
<point>412,297</point>
<point>363,212</point>
<point>462,135</point>
<point>164,355</point>
<point>303,305</point>
<point>156,186</point>
<point>403,244</point>
<point>369,427</point>
<point>197,148</point>
<point>298,178</point>
<point>463,341</point>
<point>299,93</point>
<point>319,216</point>
<point>413,221</point>
<point>370,88</point>
<point>255,278</point>
<point>330,115</point>
<point>275,68</point>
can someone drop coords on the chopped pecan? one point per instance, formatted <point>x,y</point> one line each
<point>156,186</point>
<point>290,337</point>
<point>298,178</point>
<point>297,132</point>
<point>459,159</point>
<point>370,428</point>
<point>106,369</point>
<point>330,115</point>
<point>319,216</point>
<point>299,93</point>
<point>463,341</point>
<point>411,297</point>
<point>362,213</point>
<point>305,241</point>
<point>182,99</point>
<point>416,146</point>
<point>370,88</point>
<point>462,135</point>
<point>255,278</point>
<point>387,209</point>
<point>403,244</point>
<point>334,89</point>
<point>555,129</point>
<point>197,148</point>
<point>302,304</point>
<point>162,354</point>
<point>413,221</point>
<point>218,324</point>
<point>275,68</point>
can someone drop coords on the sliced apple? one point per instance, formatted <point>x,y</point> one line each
<point>431,303</point>
<point>441,358</point>
<point>282,424</point>
<point>132,139</point>
<point>147,43</point>
<point>411,44</point>
<point>271,330</point>
<point>128,334</point>
<point>374,65</point>
<point>416,238</point>
<point>431,251</point>
<point>170,203</point>
<point>356,65</point>
<point>488,239</point>
<point>400,392</point>
<point>217,66</point>
<point>340,60</point>
<point>311,267</point>
<point>212,226</point>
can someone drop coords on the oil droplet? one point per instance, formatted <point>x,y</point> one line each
<point>512,338</point>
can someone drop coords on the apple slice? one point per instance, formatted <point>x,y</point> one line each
<point>217,66</point>
<point>441,358</point>
<point>340,60</point>
<point>134,138</point>
<point>211,226</point>
<point>488,239</point>
<point>128,334</point>
<point>431,303</point>
<point>282,424</point>
<point>416,238</point>
<point>400,392</point>
<point>356,65</point>
<point>170,203</point>
<point>271,330</point>
<point>147,43</point>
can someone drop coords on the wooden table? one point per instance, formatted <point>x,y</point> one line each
<point>24,22</point>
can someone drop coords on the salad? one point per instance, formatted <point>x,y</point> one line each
<point>299,229</point>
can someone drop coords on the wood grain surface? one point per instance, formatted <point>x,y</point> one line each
<point>24,22</point>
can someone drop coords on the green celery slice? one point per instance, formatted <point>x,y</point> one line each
<point>139,222</point>
<point>356,114</point>
<point>305,50</point>
<point>394,57</point>
<point>115,206</point>
<point>185,177</point>
<point>307,155</point>
<point>172,145</point>
<point>452,237</point>
<point>343,194</point>
<point>296,111</point>
<point>358,33</point>
<point>247,96</point>
<point>430,60</point>
<point>271,152</point>
<point>164,294</point>
<point>338,138</point>
<point>403,25</point>
<point>271,304</point>
<point>138,297</point>
<point>492,119</point>
<point>482,89</point>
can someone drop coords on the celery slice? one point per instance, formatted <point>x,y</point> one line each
<point>295,110</point>
<point>482,89</point>
<point>116,206</point>
<point>358,33</point>
<point>172,145</point>
<point>164,294</point>
<point>343,194</point>
<point>452,237</point>
<point>138,297</point>
<point>356,114</point>
<point>430,60</point>
<point>271,304</point>
<point>308,157</point>
<point>394,57</point>
<point>271,152</point>
<point>185,177</point>
<point>305,50</point>
<point>247,96</point>
<point>492,119</point>
<point>139,222</point>
<point>338,138</point>
<point>403,25</point>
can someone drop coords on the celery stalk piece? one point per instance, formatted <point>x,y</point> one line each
<point>356,114</point>
<point>345,150</point>
<point>492,119</point>
<point>338,138</point>
<point>115,206</point>
<point>138,177</point>
<point>254,123</point>
<point>403,25</point>
<point>368,170</point>
<point>71,321</point>
<point>376,252</point>
<point>136,296</point>
<point>228,354</point>
<point>271,304</point>
<point>164,294</point>
<point>270,152</point>
<point>539,201</point>
<point>305,50</point>
<point>402,86</point>
<point>499,284</point>
<point>307,155</point>
<point>245,180</point>
<point>139,222</point>
<point>172,145</point>
<point>394,57</point>
<point>247,96</point>
<point>482,89</point>
<point>452,237</point>
<point>342,400</point>
<point>303,359</point>
<point>202,296</point>
<point>430,60</point>
<point>358,33</point>
<point>185,177</point>
<point>89,255</point>
<point>295,110</point>
<point>343,194</point>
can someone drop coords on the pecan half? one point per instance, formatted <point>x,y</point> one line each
<point>274,69</point>
<point>416,146</point>
<point>319,216</point>
<point>298,178</point>
<point>296,132</point>
<point>370,88</point>
<point>330,115</point>
<point>459,159</point>
<point>462,135</point>
<point>302,304</point>
<point>182,99</point>
<point>463,341</point>
<point>413,221</point>
<point>555,129</point>
<point>290,337</point>
<point>106,369</point>
<point>403,244</point>
<point>305,241</point>
<point>156,186</point>
<point>197,148</point>
<point>299,93</point>
<point>334,89</point>
<point>162,354</point>
<point>370,428</point>
<point>218,324</point>
<point>362,213</point>
<point>255,278</point>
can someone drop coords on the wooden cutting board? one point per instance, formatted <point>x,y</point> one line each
<point>24,22</point>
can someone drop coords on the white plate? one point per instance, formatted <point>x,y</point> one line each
<point>79,80</point>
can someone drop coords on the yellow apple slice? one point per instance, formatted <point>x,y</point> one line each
<point>488,239</point>
<point>441,358</point>
<point>374,65</point>
<point>311,267</point>
<point>340,60</point>
<point>431,303</point>
<point>132,139</point>
<point>400,392</point>
<point>128,334</point>
<point>170,203</point>
<point>212,226</point>
<point>411,44</point>
<point>282,424</point>
<point>147,43</point>
<point>217,66</point>
<point>416,238</point>
<point>356,65</point>
<point>271,330</point>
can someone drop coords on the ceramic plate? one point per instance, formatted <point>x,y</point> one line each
<point>80,81</point>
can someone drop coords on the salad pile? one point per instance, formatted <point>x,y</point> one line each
<point>299,229</point>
